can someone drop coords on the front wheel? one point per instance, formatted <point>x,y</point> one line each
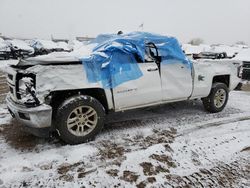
<point>217,99</point>
<point>79,119</point>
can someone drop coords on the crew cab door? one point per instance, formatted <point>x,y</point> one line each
<point>176,79</point>
<point>141,92</point>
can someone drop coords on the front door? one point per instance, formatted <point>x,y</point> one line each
<point>141,92</point>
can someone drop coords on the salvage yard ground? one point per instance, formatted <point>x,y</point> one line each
<point>169,146</point>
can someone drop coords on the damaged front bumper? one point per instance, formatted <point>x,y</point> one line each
<point>37,120</point>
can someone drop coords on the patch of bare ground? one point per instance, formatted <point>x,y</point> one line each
<point>146,182</point>
<point>113,172</point>
<point>17,138</point>
<point>129,176</point>
<point>159,137</point>
<point>149,169</point>
<point>109,150</point>
<point>66,167</point>
<point>246,149</point>
<point>67,170</point>
<point>114,154</point>
<point>245,87</point>
<point>164,159</point>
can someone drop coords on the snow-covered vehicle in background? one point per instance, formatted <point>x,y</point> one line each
<point>5,50</point>
<point>20,49</point>
<point>73,94</point>
<point>210,55</point>
<point>75,44</point>
<point>244,56</point>
<point>43,47</point>
<point>231,51</point>
<point>64,45</point>
<point>194,50</point>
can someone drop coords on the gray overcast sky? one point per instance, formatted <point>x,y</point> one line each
<point>216,21</point>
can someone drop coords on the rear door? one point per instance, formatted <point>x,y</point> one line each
<point>176,79</point>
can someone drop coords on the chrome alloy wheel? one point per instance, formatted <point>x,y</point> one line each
<point>220,98</point>
<point>82,120</point>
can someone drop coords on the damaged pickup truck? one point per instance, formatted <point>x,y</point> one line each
<point>72,95</point>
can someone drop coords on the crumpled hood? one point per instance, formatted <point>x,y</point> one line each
<point>59,58</point>
<point>50,59</point>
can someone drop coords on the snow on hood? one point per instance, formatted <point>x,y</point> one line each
<point>59,57</point>
<point>244,55</point>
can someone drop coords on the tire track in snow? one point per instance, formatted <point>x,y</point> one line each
<point>205,125</point>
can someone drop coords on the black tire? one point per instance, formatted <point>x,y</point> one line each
<point>66,109</point>
<point>209,101</point>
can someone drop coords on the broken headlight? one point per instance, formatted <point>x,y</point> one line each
<point>26,92</point>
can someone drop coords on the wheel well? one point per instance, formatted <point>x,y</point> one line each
<point>222,79</point>
<point>57,97</point>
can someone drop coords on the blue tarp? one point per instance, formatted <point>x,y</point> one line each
<point>113,59</point>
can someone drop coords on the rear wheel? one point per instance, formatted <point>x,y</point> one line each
<point>79,119</point>
<point>217,99</point>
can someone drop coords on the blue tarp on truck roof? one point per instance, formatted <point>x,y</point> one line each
<point>113,61</point>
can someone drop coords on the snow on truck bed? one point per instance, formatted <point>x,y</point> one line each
<point>244,55</point>
<point>177,144</point>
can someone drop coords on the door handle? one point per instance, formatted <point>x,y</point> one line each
<point>152,69</point>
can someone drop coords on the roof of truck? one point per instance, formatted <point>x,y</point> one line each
<point>113,60</point>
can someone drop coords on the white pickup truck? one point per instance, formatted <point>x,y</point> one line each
<point>53,93</point>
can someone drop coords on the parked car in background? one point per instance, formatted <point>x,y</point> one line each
<point>210,55</point>
<point>63,45</point>
<point>4,49</point>
<point>231,51</point>
<point>192,50</point>
<point>43,47</point>
<point>244,56</point>
<point>20,49</point>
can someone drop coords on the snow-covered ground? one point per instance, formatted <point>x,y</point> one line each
<point>169,146</point>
